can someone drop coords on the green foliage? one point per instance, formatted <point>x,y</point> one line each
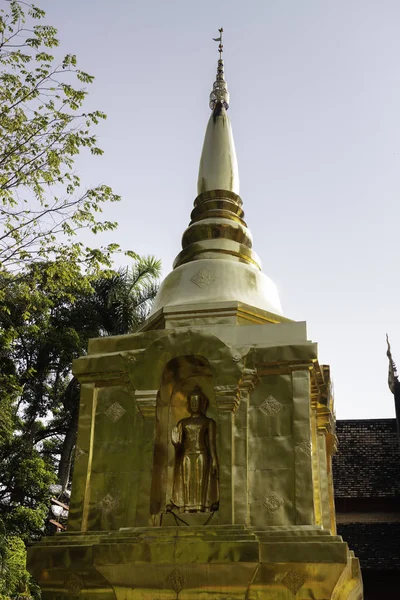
<point>46,322</point>
<point>43,326</point>
<point>42,130</point>
<point>15,581</point>
<point>25,479</point>
<point>121,300</point>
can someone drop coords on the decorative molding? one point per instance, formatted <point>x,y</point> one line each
<point>248,381</point>
<point>271,406</point>
<point>203,278</point>
<point>115,412</point>
<point>331,444</point>
<point>102,379</point>
<point>294,581</point>
<point>74,584</point>
<point>147,402</point>
<point>227,397</point>
<point>130,358</point>
<point>176,580</point>
<point>325,420</point>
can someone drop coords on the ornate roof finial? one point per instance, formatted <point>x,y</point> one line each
<point>219,39</point>
<point>219,92</point>
<point>393,378</point>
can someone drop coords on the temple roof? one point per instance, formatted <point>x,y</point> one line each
<point>367,464</point>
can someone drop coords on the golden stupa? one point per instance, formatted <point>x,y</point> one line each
<point>203,461</point>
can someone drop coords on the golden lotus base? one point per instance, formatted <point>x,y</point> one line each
<point>228,562</point>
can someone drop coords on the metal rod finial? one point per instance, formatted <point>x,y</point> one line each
<point>220,40</point>
<point>220,92</point>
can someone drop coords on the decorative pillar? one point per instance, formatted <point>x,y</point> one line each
<point>79,506</point>
<point>326,447</point>
<point>146,401</point>
<point>304,505</point>
<point>227,399</point>
<point>240,448</point>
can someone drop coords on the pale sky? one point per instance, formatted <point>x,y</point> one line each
<point>315,111</point>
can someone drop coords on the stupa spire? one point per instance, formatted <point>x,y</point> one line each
<point>217,262</point>
<point>218,164</point>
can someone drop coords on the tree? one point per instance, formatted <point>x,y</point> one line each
<point>55,293</point>
<point>121,301</point>
<point>15,581</point>
<point>41,333</point>
<point>42,130</point>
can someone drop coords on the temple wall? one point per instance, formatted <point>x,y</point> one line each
<point>279,469</point>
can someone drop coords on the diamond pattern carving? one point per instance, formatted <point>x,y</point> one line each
<point>115,412</point>
<point>73,584</point>
<point>107,504</point>
<point>271,406</point>
<point>306,447</point>
<point>272,502</point>
<point>294,581</point>
<point>203,277</point>
<point>176,580</point>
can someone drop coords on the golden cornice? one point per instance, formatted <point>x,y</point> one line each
<point>227,397</point>
<point>101,379</point>
<point>322,402</point>
<point>319,385</point>
<point>218,313</point>
<point>282,368</point>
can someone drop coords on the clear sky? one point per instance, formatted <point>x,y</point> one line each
<point>315,110</point>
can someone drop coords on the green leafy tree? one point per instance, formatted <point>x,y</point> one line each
<point>42,129</point>
<point>15,581</point>
<point>55,292</point>
<point>44,325</point>
<point>41,333</point>
<point>121,301</point>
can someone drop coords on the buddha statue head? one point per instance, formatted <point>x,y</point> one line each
<point>197,402</point>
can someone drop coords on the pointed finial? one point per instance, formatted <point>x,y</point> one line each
<point>219,92</point>
<point>219,39</point>
<point>393,379</point>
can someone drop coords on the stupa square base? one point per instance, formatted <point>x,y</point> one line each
<point>192,563</point>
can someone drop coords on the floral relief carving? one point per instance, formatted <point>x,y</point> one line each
<point>176,580</point>
<point>203,278</point>
<point>272,502</point>
<point>115,412</point>
<point>271,406</point>
<point>107,504</point>
<point>73,584</point>
<point>294,581</point>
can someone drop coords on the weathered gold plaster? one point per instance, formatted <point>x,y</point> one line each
<point>274,425</point>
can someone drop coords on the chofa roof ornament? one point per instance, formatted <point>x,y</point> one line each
<point>393,378</point>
